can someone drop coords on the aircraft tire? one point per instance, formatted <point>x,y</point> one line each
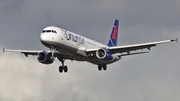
<point>60,69</point>
<point>65,69</point>
<point>104,66</point>
<point>99,67</point>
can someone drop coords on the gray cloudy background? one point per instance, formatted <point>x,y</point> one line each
<point>147,77</point>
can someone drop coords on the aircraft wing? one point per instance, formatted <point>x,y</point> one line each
<point>28,52</point>
<point>128,48</point>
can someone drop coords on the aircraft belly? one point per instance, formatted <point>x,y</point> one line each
<point>97,61</point>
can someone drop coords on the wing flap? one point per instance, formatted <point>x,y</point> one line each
<point>135,53</point>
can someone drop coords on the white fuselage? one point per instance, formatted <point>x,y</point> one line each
<point>72,45</point>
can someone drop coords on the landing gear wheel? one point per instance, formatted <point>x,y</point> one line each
<point>104,67</point>
<point>60,69</point>
<point>65,69</point>
<point>99,67</point>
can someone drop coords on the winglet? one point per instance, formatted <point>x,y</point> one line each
<point>4,49</point>
<point>177,40</point>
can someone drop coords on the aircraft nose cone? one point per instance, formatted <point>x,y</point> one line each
<point>44,38</point>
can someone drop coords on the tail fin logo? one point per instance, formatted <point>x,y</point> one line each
<point>114,35</point>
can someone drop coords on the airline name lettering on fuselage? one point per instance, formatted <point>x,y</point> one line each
<point>74,38</point>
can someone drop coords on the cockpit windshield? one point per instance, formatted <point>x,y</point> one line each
<point>49,31</point>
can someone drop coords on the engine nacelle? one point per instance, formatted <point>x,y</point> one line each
<point>45,58</point>
<point>104,54</point>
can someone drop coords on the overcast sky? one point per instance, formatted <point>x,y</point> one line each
<point>148,77</point>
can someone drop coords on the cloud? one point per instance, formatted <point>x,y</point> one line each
<point>25,79</point>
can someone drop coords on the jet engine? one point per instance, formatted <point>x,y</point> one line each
<point>104,54</point>
<point>45,58</point>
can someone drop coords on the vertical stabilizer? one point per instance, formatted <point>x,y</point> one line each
<point>114,35</point>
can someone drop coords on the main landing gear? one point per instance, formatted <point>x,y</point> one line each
<point>63,67</point>
<point>102,66</point>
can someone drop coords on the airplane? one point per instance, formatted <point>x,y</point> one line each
<point>66,45</point>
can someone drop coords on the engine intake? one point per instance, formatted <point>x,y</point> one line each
<point>45,58</point>
<point>104,54</point>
